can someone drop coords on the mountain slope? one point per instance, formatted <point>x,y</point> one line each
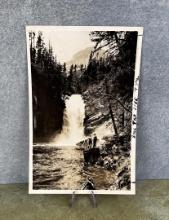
<point>82,56</point>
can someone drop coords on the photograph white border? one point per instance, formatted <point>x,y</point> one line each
<point>134,108</point>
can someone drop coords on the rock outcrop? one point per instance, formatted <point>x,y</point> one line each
<point>47,108</point>
<point>96,110</point>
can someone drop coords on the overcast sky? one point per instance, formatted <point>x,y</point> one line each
<point>65,43</point>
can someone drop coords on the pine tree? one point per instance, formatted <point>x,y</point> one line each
<point>39,47</point>
<point>32,46</point>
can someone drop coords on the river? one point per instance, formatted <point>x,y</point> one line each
<point>63,169</point>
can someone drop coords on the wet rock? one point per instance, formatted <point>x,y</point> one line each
<point>121,173</point>
<point>38,149</point>
<point>89,130</point>
<point>48,180</point>
<point>124,182</point>
<point>100,161</point>
<point>92,155</point>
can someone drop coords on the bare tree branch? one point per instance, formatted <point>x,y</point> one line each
<point>119,103</point>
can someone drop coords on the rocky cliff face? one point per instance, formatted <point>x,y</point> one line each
<point>96,111</point>
<point>47,109</point>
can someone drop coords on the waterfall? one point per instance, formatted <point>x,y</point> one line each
<point>73,129</point>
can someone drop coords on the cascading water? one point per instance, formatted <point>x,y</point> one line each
<point>73,129</point>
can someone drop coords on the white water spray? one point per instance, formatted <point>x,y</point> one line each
<point>73,129</point>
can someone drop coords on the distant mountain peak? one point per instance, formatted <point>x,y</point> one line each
<point>81,57</point>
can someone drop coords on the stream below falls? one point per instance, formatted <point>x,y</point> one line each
<point>63,169</point>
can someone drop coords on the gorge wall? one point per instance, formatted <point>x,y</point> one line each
<point>47,107</point>
<point>96,111</point>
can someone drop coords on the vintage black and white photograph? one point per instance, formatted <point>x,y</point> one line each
<point>83,95</point>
